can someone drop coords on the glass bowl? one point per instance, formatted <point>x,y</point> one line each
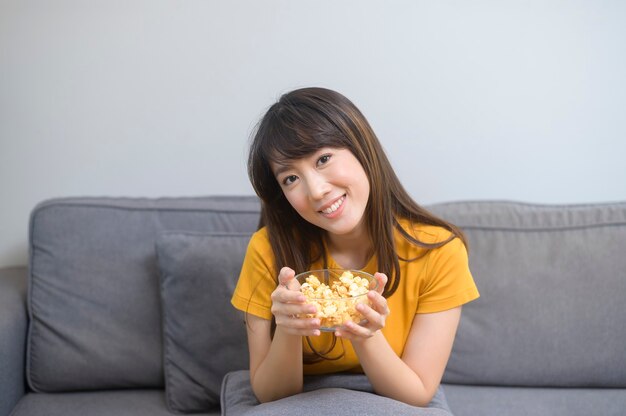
<point>335,293</point>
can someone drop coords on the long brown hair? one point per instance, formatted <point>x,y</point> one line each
<point>302,122</point>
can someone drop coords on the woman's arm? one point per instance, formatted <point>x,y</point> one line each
<point>415,377</point>
<point>276,363</point>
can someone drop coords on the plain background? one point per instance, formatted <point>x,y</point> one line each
<point>509,100</point>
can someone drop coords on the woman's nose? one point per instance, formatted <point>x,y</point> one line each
<point>318,186</point>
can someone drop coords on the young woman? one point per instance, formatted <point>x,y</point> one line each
<point>330,199</point>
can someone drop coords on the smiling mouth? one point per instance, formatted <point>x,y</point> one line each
<point>334,207</point>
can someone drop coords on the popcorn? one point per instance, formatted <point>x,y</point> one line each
<point>336,304</point>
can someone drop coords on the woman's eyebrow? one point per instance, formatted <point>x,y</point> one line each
<point>280,168</point>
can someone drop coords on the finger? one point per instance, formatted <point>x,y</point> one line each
<point>371,317</point>
<point>381,278</point>
<point>285,276</point>
<point>293,284</point>
<point>291,309</point>
<point>352,330</point>
<point>283,295</point>
<point>300,326</point>
<point>378,303</point>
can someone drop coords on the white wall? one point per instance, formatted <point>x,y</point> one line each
<point>520,100</point>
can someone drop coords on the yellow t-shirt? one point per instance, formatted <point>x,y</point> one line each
<point>437,281</point>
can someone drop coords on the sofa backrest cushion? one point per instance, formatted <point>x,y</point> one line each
<point>95,318</point>
<point>204,336</point>
<point>553,288</point>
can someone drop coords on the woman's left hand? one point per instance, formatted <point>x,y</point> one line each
<point>375,315</point>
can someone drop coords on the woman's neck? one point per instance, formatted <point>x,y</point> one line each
<point>351,251</point>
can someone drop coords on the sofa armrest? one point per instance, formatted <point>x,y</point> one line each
<point>13,328</point>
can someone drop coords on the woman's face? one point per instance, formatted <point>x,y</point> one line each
<point>328,188</point>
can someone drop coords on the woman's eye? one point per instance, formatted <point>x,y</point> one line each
<point>289,179</point>
<point>323,159</point>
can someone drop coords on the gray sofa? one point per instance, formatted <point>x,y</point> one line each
<point>124,310</point>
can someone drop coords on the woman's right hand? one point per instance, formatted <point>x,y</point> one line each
<point>288,302</point>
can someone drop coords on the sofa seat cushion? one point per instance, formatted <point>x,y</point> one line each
<point>112,402</point>
<point>467,400</point>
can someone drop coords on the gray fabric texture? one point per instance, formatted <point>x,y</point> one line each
<point>204,336</point>
<point>345,394</point>
<point>102,403</point>
<point>13,324</point>
<point>94,299</point>
<point>529,401</point>
<point>553,288</point>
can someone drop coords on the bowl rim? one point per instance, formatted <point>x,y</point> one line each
<point>370,277</point>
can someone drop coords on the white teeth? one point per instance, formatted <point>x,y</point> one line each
<point>334,206</point>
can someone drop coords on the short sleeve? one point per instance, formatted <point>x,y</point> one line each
<point>447,282</point>
<point>257,279</point>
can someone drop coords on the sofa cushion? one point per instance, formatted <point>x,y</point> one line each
<point>332,394</point>
<point>524,401</point>
<point>94,303</point>
<point>13,327</point>
<point>204,336</point>
<point>553,288</point>
<point>103,403</point>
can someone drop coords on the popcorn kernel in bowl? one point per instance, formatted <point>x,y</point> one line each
<point>335,293</point>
